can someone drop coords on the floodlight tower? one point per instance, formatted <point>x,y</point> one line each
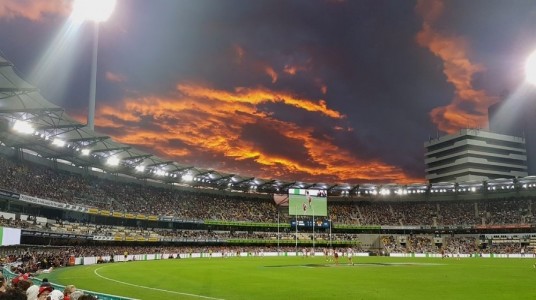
<point>97,11</point>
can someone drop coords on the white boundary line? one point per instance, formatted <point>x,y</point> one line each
<point>151,288</point>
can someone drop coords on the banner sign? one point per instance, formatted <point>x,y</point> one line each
<point>309,223</point>
<point>8,194</point>
<point>103,238</point>
<point>50,203</point>
<point>504,226</point>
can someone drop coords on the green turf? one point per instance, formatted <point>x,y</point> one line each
<point>310,278</point>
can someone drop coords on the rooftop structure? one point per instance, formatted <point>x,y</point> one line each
<point>475,155</point>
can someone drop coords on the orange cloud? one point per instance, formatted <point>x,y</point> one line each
<point>33,10</point>
<point>468,108</point>
<point>258,96</point>
<point>239,52</point>
<point>271,72</point>
<point>113,77</point>
<point>294,69</point>
<point>323,87</point>
<point>207,127</point>
<point>290,70</point>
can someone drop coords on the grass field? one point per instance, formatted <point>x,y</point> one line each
<point>309,278</point>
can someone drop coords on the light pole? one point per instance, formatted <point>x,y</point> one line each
<point>313,229</point>
<point>330,245</point>
<point>296,219</point>
<point>96,11</point>
<point>278,230</point>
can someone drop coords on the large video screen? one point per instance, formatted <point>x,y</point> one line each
<point>303,202</point>
<point>9,236</point>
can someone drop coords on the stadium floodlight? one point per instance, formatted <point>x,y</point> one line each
<point>23,127</point>
<point>189,177</point>
<point>530,68</point>
<point>97,11</point>
<point>93,10</point>
<point>140,168</point>
<point>59,143</point>
<point>112,161</point>
<point>85,152</point>
<point>385,192</point>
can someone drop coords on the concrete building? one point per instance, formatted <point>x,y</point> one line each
<point>516,115</point>
<point>474,154</point>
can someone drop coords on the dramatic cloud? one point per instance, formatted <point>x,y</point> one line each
<point>468,108</point>
<point>113,77</point>
<point>33,10</point>
<point>271,72</point>
<point>227,131</point>
<point>294,69</point>
<point>239,51</point>
<point>321,85</point>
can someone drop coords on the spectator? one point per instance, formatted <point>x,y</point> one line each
<point>69,289</point>
<point>44,292</point>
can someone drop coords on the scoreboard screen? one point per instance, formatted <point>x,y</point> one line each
<point>305,202</point>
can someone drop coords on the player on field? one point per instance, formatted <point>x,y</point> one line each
<point>350,254</point>
<point>336,256</point>
<point>309,199</point>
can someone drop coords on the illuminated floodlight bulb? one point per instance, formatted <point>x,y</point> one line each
<point>530,68</point>
<point>112,161</point>
<point>58,143</point>
<point>85,152</point>
<point>189,177</point>
<point>140,168</point>
<point>23,127</point>
<point>92,10</point>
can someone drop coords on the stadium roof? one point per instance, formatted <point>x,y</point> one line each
<point>29,121</point>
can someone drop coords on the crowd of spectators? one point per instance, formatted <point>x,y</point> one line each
<point>453,246</point>
<point>134,198</point>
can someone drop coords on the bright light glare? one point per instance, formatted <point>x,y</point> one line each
<point>113,161</point>
<point>85,152</point>
<point>187,177</point>
<point>140,168</point>
<point>23,127</point>
<point>530,68</point>
<point>58,142</point>
<point>93,10</point>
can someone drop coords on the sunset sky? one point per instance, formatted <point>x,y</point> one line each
<point>313,90</point>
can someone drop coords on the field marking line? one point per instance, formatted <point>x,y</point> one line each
<point>151,288</point>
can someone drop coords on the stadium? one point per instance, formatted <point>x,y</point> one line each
<point>82,214</point>
<point>64,203</point>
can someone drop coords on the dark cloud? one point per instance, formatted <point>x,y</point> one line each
<point>307,90</point>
